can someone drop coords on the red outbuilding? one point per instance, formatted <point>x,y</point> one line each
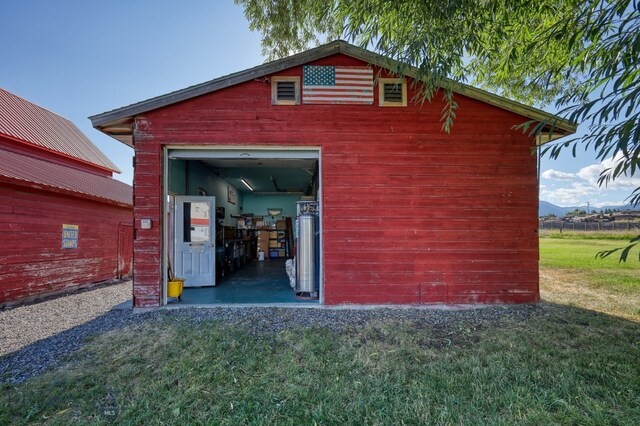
<point>327,158</point>
<point>64,221</point>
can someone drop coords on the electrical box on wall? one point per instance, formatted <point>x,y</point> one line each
<point>145,223</point>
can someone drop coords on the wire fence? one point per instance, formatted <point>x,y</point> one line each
<point>590,226</point>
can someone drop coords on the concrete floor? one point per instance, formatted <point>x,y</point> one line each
<point>258,282</point>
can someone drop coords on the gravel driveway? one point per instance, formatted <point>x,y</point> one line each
<point>26,324</point>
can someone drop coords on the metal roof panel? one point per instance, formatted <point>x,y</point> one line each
<point>30,123</point>
<point>34,170</point>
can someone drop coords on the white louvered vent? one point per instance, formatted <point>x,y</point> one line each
<point>285,90</point>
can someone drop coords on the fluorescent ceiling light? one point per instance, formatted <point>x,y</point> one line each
<point>246,184</point>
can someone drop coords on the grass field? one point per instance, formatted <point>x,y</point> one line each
<point>571,274</point>
<point>559,364</point>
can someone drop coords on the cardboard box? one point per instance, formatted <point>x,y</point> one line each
<point>273,234</point>
<point>281,252</point>
<point>274,244</point>
<point>281,225</point>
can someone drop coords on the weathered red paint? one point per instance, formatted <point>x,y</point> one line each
<point>410,214</point>
<point>32,261</point>
<point>125,249</point>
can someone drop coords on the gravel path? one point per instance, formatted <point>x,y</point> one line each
<point>37,357</point>
<point>26,324</point>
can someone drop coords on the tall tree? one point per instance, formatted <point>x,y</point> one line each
<point>584,55</point>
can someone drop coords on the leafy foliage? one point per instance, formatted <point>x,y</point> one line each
<point>625,250</point>
<point>582,55</point>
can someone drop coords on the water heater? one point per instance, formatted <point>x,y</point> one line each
<point>307,252</point>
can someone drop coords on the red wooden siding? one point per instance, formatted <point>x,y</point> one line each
<point>125,250</point>
<point>32,261</point>
<point>410,214</point>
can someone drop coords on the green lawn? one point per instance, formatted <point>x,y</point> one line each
<point>570,360</point>
<point>579,255</point>
<point>571,274</point>
<point>560,366</point>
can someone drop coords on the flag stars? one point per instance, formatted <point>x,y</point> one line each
<point>319,75</point>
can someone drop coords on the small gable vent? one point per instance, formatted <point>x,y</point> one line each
<point>393,92</point>
<point>285,90</point>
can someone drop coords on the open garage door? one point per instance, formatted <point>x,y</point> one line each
<point>259,195</point>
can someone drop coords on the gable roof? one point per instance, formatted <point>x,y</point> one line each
<point>117,123</point>
<point>29,171</point>
<point>26,122</point>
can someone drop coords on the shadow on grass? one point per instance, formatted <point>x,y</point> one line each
<point>39,356</point>
<point>534,364</point>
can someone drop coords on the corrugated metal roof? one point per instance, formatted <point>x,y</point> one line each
<point>33,170</point>
<point>28,122</point>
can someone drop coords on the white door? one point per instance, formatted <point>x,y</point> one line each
<point>195,239</point>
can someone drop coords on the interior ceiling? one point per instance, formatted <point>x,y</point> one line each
<point>266,176</point>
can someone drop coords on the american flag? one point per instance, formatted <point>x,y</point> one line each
<point>337,85</point>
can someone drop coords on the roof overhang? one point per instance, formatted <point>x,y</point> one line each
<point>119,123</point>
<point>121,130</point>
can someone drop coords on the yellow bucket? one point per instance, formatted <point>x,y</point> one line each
<point>174,287</point>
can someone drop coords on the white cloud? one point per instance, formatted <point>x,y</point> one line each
<point>570,196</point>
<point>557,175</point>
<point>582,187</point>
<point>592,172</point>
<point>609,203</point>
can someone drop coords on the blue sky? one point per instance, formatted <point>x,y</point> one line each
<point>80,57</point>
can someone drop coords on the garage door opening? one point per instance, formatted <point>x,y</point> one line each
<point>243,226</point>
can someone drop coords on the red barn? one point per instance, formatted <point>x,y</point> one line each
<point>65,222</point>
<point>408,214</point>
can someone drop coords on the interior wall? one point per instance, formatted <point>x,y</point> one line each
<point>258,204</point>
<point>177,177</point>
<point>187,177</point>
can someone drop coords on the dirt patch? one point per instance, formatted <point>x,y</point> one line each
<point>570,287</point>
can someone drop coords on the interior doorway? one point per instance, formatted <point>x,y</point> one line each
<point>255,196</point>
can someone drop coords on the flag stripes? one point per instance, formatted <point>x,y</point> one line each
<point>337,85</point>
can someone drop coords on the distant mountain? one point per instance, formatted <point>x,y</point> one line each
<point>546,208</point>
